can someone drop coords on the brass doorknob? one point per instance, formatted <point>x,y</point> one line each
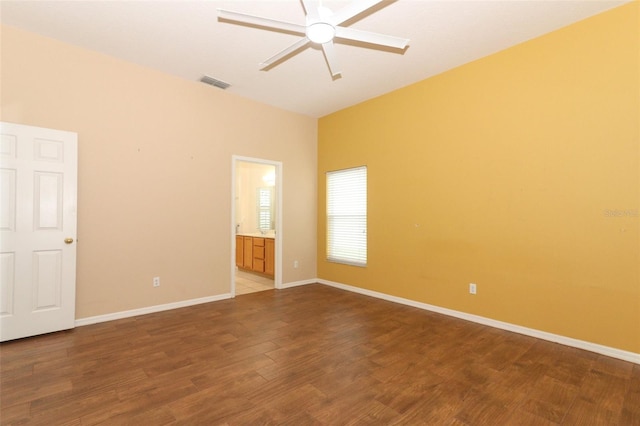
<point>68,240</point>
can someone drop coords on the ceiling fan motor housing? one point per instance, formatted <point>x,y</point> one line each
<point>320,32</point>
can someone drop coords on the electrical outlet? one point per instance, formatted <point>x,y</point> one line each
<point>295,264</point>
<point>472,288</point>
<point>156,281</point>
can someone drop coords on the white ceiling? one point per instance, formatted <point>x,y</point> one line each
<point>185,38</point>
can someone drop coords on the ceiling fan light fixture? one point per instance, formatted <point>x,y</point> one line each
<point>321,32</point>
<point>321,27</point>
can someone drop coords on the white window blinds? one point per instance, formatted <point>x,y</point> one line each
<point>265,209</point>
<point>347,216</point>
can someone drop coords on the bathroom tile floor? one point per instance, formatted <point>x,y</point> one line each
<point>246,283</point>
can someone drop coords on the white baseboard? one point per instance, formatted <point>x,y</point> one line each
<point>150,309</point>
<point>298,283</point>
<point>567,341</point>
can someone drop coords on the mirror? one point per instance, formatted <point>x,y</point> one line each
<point>255,211</point>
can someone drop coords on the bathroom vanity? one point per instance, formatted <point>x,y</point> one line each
<point>256,253</point>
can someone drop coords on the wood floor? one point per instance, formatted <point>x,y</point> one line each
<point>311,355</point>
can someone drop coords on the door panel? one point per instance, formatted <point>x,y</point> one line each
<point>7,283</point>
<point>47,279</point>
<point>38,184</point>
<point>48,201</point>
<point>8,200</point>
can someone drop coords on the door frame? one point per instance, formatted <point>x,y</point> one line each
<point>277,279</point>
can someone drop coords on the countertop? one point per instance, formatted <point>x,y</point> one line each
<point>257,234</point>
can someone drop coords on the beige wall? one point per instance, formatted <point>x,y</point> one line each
<point>155,170</point>
<point>518,172</point>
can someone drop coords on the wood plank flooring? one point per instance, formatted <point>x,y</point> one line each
<point>310,355</point>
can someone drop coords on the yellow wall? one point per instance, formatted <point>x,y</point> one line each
<point>155,170</point>
<point>518,172</point>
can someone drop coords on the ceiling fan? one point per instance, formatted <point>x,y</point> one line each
<point>322,27</point>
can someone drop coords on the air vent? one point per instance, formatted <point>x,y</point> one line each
<point>215,82</point>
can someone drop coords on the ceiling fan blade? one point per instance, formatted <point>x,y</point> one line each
<point>373,38</point>
<point>275,58</point>
<point>260,21</point>
<point>330,55</point>
<point>354,8</point>
<point>311,7</point>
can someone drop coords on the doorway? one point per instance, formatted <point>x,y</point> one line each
<point>256,225</point>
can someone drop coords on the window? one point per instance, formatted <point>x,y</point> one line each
<point>347,216</point>
<point>265,209</point>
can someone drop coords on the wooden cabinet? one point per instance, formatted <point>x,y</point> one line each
<point>247,261</point>
<point>256,254</point>
<point>269,256</point>
<point>239,251</point>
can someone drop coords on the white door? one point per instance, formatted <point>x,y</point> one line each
<point>38,191</point>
